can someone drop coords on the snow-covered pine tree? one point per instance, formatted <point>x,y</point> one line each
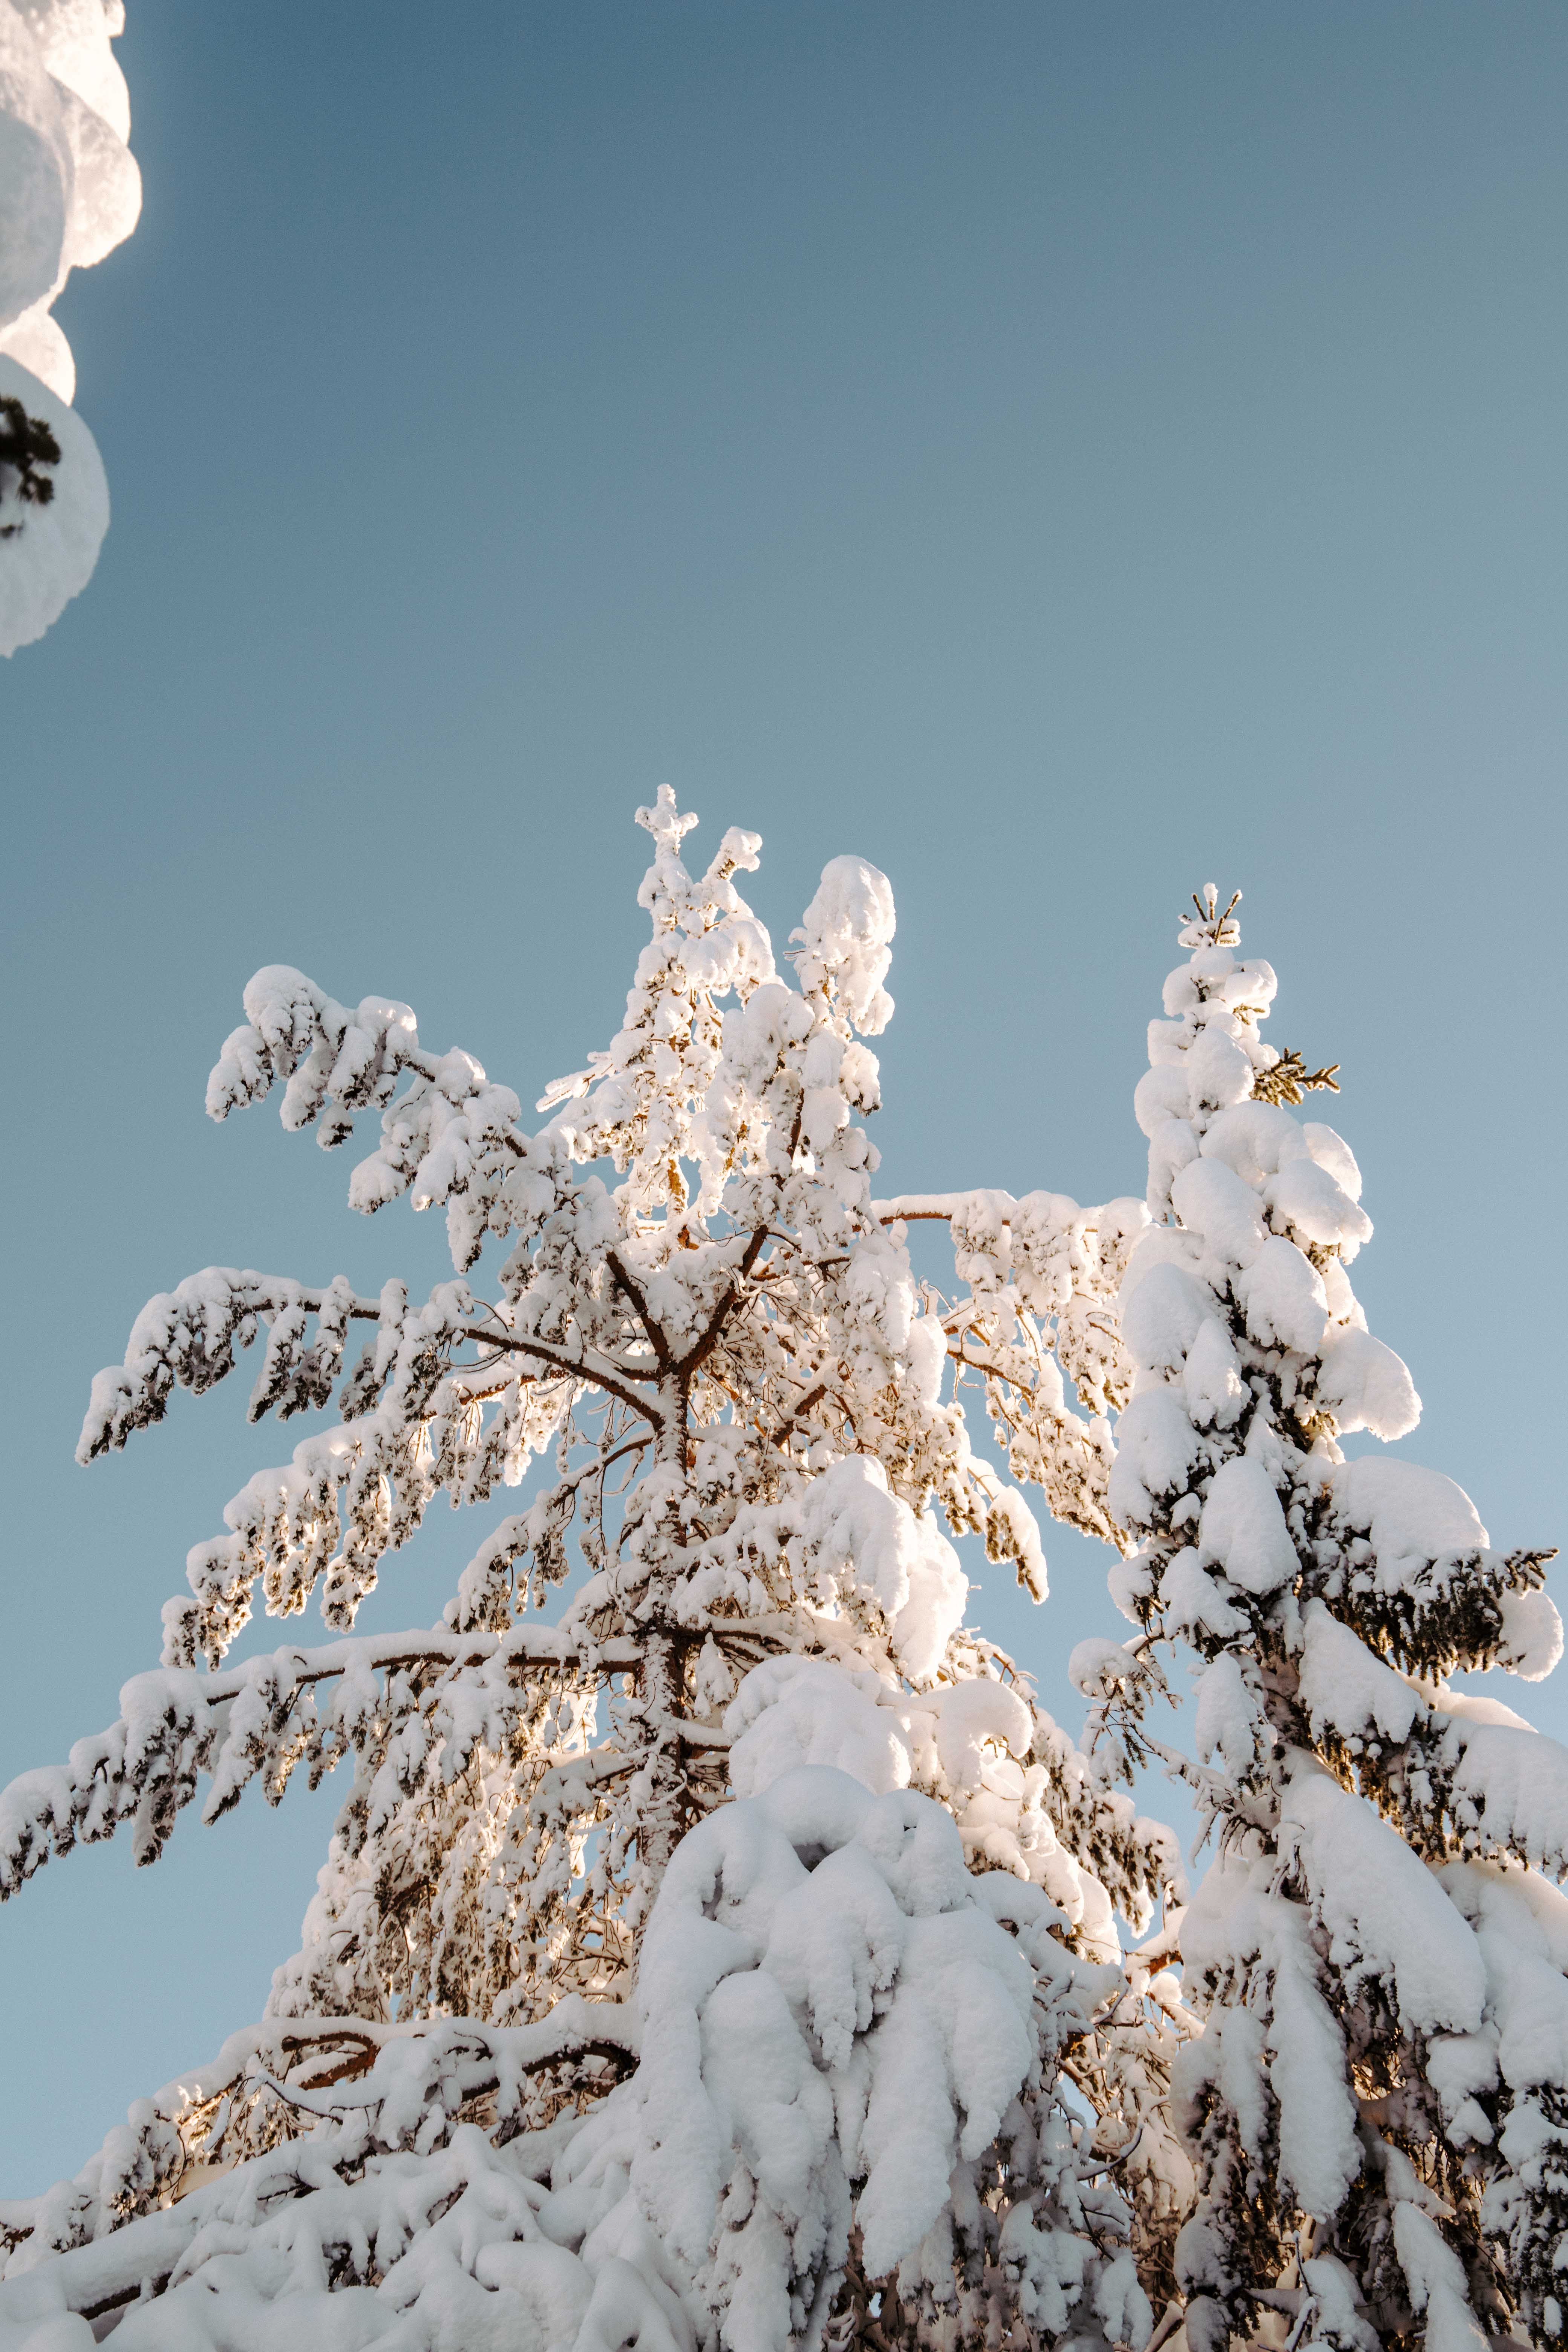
<point>707,1967</point>
<point>1378,2104</point>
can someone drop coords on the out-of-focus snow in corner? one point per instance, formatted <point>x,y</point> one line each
<point>69,193</point>
<point>52,557</point>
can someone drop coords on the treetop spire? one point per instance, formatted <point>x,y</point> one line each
<point>1211,928</point>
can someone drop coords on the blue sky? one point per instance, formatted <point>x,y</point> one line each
<point>1063,453</point>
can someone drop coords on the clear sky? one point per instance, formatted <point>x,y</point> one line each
<point>1062,454</point>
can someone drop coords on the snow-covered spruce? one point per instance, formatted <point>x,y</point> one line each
<point>1378,2104</point>
<point>710,1967</point>
<point>69,193</point>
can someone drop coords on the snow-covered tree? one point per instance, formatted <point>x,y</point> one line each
<point>1378,2102</point>
<point>69,193</point>
<point>733,1960</point>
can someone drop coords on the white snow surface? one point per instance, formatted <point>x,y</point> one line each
<point>54,553</point>
<point>1243,1529</point>
<point>37,171</point>
<point>69,193</point>
<point>820,1948</point>
<point>1414,1517</point>
<point>1366,1386</point>
<point>1385,1912</point>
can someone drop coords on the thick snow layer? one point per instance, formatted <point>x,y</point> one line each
<point>1511,1789</point>
<point>1243,1529</point>
<point>1531,1635</point>
<point>52,555</point>
<point>1308,1201</point>
<point>1347,1691</point>
<point>1155,1451</point>
<point>1229,1723</point>
<point>1164,1315</point>
<point>69,193</point>
<point>1212,1384</point>
<point>1331,1151</point>
<point>1292,2039</point>
<point>820,1953</point>
<point>848,1537</point>
<point>1387,1914</point>
<point>791,1711</point>
<point>106,195</point>
<point>1212,1199</point>
<point>846,943</point>
<point>1195,1602</point>
<point>73,38</point>
<point>1437,2280</point>
<point>36,342</point>
<point>1366,1386</point>
<point>1283,1299</point>
<point>1254,1138</point>
<point>36,169</point>
<point>1414,1517</point>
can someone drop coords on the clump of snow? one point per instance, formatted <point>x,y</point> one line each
<point>1531,1635</point>
<point>51,556</point>
<point>69,193</point>
<point>1366,1386</point>
<point>793,1711</point>
<point>1242,1530</point>
<point>36,169</point>
<point>846,942</point>
<point>1413,1517</point>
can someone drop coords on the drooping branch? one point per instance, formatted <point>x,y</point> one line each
<point>176,1723</point>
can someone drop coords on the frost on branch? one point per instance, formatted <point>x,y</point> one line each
<point>710,1967</point>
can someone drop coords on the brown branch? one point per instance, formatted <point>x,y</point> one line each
<point>699,1353</point>
<point>578,1369</point>
<point>703,1347</point>
<point>653,1330</point>
<point>812,1396</point>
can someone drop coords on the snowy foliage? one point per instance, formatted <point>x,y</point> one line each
<point>746,1960</point>
<point>1377,2130</point>
<point>69,193</point>
<point>735,1961</point>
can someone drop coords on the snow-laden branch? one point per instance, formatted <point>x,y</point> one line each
<point>386,2076</point>
<point>177,1725</point>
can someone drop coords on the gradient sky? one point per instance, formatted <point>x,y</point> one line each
<point>1062,454</point>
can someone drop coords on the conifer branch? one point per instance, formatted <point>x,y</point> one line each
<point>1288,1079</point>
